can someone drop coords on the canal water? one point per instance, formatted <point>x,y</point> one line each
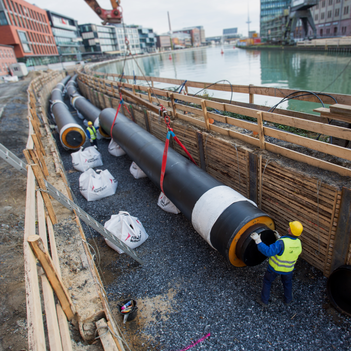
<point>298,70</point>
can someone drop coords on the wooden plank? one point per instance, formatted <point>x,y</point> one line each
<point>249,112</point>
<point>191,120</point>
<point>40,179</point>
<point>261,130</point>
<point>40,155</point>
<point>64,330</point>
<point>320,146</point>
<point>195,111</point>
<point>316,127</point>
<point>325,112</point>
<point>61,292</point>
<point>341,109</point>
<point>312,161</point>
<point>343,232</point>
<point>196,101</point>
<point>106,338</point>
<point>53,247</point>
<point>205,114</point>
<point>36,337</point>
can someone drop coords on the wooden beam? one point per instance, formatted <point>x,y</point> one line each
<point>261,130</point>
<point>45,260</point>
<point>40,179</point>
<point>36,337</point>
<point>64,330</point>
<point>106,338</point>
<point>40,155</point>
<point>204,110</point>
<point>341,109</point>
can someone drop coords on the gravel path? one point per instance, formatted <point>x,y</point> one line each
<point>185,290</point>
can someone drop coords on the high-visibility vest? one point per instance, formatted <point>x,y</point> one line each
<point>286,261</point>
<point>92,132</point>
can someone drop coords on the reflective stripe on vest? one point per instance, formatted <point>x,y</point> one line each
<point>286,261</point>
<point>92,132</point>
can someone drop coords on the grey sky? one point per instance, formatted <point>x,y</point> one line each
<point>213,15</point>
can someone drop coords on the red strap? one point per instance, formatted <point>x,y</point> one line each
<point>114,120</point>
<point>183,147</point>
<point>164,162</point>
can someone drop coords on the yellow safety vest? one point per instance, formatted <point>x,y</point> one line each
<point>286,261</point>
<point>92,132</point>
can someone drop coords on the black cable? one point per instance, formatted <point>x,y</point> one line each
<point>223,80</point>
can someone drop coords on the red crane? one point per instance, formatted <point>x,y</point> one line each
<point>113,16</point>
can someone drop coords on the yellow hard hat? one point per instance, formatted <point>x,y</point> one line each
<point>296,228</point>
<point>90,123</point>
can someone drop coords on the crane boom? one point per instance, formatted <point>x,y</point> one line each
<point>113,16</point>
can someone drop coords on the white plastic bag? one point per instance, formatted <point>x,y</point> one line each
<point>97,185</point>
<point>166,204</point>
<point>126,228</point>
<point>136,171</point>
<point>86,158</point>
<point>114,149</point>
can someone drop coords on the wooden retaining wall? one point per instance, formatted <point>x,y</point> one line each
<point>242,162</point>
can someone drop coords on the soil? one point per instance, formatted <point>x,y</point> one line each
<point>13,135</point>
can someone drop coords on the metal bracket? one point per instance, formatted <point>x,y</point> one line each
<point>13,160</point>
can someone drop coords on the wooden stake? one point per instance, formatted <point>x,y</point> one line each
<point>46,262</point>
<point>260,130</point>
<point>106,338</point>
<point>204,110</point>
<point>64,330</point>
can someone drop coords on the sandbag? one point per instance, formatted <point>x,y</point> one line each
<point>126,228</point>
<point>86,158</point>
<point>136,171</point>
<point>166,204</point>
<point>97,185</point>
<point>114,149</point>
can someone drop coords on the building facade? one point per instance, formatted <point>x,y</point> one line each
<point>230,34</point>
<point>66,34</point>
<point>163,42</point>
<point>271,17</point>
<point>26,27</point>
<point>98,39</point>
<point>332,18</point>
<point>147,39</point>
<point>7,58</point>
<point>132,34</point>
<point>195,35</point>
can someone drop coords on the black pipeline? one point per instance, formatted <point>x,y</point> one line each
<point>84,107</point>
<point>222,216</point>
<point>72,135</point>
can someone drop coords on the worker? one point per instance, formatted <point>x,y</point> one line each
<point>283,255</point>
<point>92,134</point>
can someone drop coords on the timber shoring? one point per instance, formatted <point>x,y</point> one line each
<point>280,191</point>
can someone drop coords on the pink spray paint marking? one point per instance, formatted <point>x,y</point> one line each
<point>197,342</point>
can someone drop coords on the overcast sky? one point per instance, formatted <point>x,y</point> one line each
<point>213,15</point>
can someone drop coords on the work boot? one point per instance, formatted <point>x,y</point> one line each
<point>259,301</point>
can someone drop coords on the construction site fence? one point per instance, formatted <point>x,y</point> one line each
<point>44,284</point>
<point>282,192</point>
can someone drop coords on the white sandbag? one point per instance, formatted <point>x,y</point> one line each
<point>136,171</point>
<point>97,185</point>
<point>126,228</point>
<point>114,149</point>
<point>166,204</point>
<point>86,158</point>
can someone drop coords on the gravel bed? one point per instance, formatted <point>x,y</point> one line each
<point>201,292</point>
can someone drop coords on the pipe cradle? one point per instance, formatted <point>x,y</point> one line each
<point>89,111</point>
<point>223,217</point>
<point>72,135</point>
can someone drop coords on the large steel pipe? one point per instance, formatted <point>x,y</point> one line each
<point>84,107</point>
<point>222,216</point>
<point>72,135</point>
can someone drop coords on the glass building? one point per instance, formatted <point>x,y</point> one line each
<point>66,34</point>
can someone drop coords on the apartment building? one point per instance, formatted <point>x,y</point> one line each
<point>26,27</point>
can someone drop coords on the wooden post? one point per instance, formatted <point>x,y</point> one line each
<point>251,96</point>
<point>46,262</point>
<point>40,155</point>
<point>204,110</point>
<point>173,106</point>
<point>36,337</point>
<point>149,94</point>
<point>260,130</point>
<point>260,180</point>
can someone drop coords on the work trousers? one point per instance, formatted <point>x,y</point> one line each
<point>94,142</point>
<point>269,278</point>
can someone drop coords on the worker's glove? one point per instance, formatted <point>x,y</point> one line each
<point>276,234</point>
<point>91,140</point>
<point>256,238</point>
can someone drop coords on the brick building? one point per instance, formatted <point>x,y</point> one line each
<point>7,58</point>
<point>26,27</point>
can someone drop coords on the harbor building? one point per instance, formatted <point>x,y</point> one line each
<point>26,27</point>
<point>7,58</point>
<point>98,39</point>
<point>230,34</point>
<point>163,42</point>
<point>132,34</point>
<point>147,39</point>
<point>66,33</point>
<point>332,18</point>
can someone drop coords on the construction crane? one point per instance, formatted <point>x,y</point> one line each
<point>300,10</point>
<point>113,16</point>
